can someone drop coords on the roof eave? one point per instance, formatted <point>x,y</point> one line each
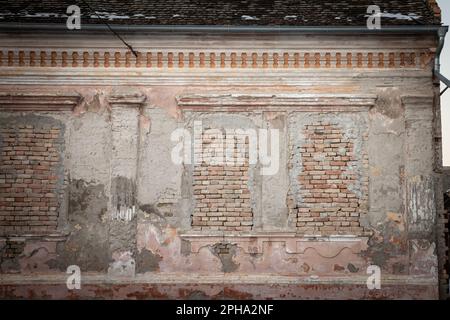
<point>43,27</point>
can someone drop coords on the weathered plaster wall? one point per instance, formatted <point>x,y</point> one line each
<point>126,217</point>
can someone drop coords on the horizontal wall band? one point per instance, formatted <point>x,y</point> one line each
<point>174,278</point>
<point>38,101</point>
<point>215,59</point>
<point>274,102</point>
<point>61,27</point>
<point>307,78</point>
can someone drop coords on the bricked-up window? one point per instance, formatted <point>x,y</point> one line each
<point>30,169</point>
<point>333,189</point>
<point>221,192</point>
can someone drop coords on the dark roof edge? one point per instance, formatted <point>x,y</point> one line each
<point>39,27</point>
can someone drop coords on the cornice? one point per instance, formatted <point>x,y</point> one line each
<point>269,102</point>
<point>417,100</point>
<point>127,99</point>
<point>36,101</point>
<point>217,59</point>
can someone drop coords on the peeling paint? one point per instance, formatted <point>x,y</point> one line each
<point>147,261</point>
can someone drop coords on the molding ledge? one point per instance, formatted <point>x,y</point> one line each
<point>53,237</point>
<point>424,100</point>
<point>327,247</point>
<point>418,107</point>
<point>167,278</point>
<point>38,101</point>
<point>274,102</point>
<point>127,99</point>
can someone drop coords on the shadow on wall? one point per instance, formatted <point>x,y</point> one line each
<point>447,208</point>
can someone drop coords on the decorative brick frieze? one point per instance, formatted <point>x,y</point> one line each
<point>216,59</point>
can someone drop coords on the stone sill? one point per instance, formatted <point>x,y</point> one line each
<point>326,246</point>
<point>50,237</point>
<point>221,278</point>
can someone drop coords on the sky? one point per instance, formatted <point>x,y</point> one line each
<point>445,70</point>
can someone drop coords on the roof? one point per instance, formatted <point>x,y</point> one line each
<point>225,13</point>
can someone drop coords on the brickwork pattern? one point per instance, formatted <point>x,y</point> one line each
<point>221,193</point>
<point>330,204</point>
<point>29,162</point>
<point>217,60</point>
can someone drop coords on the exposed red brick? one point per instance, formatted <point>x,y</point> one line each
<point>29,162</point>
<point>328,205</point>
<point>221,193</point>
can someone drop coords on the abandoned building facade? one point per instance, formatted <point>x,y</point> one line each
<point>341,173</point>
